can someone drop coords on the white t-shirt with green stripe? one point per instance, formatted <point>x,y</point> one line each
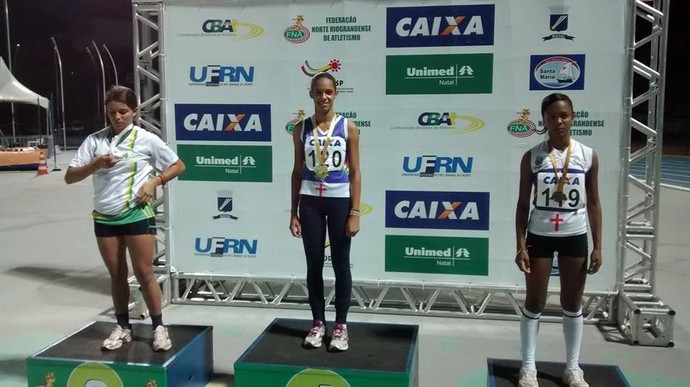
<point>115,188</point>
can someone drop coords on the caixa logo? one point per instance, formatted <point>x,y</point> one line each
<point>217,122</point>
<point>437,210</point>
<point>217,75</point>
<point>468,25</point>
<point>432,165</point>
<point>231,27</point>
<point>225,247</point>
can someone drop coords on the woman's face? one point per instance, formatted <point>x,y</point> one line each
<point>119,114</point>
<point>323,93</point>
<point>558,118</point>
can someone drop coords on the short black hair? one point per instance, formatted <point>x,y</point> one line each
<point>555,97</point>
<point>322,75</point>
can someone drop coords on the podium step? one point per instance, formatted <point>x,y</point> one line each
<point>381,355</point>
<point>504,373</point>
<point>79,360</point>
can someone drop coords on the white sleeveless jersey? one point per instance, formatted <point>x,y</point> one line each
<point>550,217</point>
<point>337,183</point>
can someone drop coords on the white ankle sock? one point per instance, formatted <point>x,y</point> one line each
<point>529,330</point>
<point>572,331</point>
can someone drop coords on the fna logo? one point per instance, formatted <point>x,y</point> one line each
<point>558,22</point>
<point>523,126</point>
<point>437,210</point>
<point>433,166</point>
<point>221,75</point>
<point>236,29</point>
<point>566,72</point>
<point>468,25</point>
<point>223,247</point>
<point>458,122</point>
<point>297,33</point>
<point>217,122</point>
<point>224,204</point>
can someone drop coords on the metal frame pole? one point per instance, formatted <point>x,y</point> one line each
<point>112,61</point>
<point>10,64</point>
<point>100,60</point>
<point>62,96</point>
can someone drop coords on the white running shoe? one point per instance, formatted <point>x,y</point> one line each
<point>315,337</point>
<point>528,377</point>
<point>340,339</point>
<point>117,337</point>
<point>574,377</point>
<point>161,340</point>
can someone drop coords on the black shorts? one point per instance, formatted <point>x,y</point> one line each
<point>545,246</point>
<point>142,227</point>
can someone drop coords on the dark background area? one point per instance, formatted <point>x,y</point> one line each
<point>75,24</point>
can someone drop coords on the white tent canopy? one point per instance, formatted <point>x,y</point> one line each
<point>13,91</point>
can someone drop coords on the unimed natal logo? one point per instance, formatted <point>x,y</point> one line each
<point>223,122</point>
<point>458,25</point>
<point>437,210</point>
<point>226,163</point>
<point>439,74</point>
<point>437,255</point>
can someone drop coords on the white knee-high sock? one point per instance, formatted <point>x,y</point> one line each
<point>529,330</point>
<point>572,331</point>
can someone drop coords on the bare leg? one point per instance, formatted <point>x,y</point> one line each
<point>114,256</point>
<point>141,252</point>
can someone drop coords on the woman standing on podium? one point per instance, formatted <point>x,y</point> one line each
<point>560,175</point>
<point>326,185</point>
<point>121,158</point>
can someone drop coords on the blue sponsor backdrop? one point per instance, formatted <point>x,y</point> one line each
<point>437,210</point>
<point>557,72</point>
<point>459,25</point>
<point>223,122</point>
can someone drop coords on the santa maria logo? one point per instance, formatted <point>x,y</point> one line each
<point>550,72</point>
<point>437,255</point>
<point>223,122</point>
<point>522,126</point>
<point>558,22</point>
<point>437,210</point>
<point>468,25</point>
<point>233,29</point>
<point>439,74</point>
<point>290,125</point>
<point>226,163</point>
<point>297,33</point>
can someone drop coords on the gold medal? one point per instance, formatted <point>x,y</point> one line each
<point>559,197</point>
<point>321,171</point>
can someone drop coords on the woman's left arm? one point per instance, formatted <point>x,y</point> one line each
<point>594,213</point>
<point>352,227</point>
<point>160,152</point>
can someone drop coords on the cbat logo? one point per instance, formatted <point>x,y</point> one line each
<point>522,126</point>
<point>438,255</point>
<point>558,22</point>
<point>219,247</point>
<point>223,122</point>
<point>460,123</point>
<point>437,210</point>
<point>224,202</point>
<point>226,163</point>
<point>470,25</point>
<point>439,74</point>
<point>565,72</point>
<point>297,32</point>
<point>432,165</point>
<point>333,66</point>
<point>218,75</point>
<point>290,125</point>
<point>237,29</point>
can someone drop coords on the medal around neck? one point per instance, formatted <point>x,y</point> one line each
<point>321,171</point>
<point>559,197</point>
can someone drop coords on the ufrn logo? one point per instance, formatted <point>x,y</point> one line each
<point>432,165</point>
<point>221,75</point>
<point>225,247</point>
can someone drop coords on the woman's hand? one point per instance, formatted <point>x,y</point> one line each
<point>106,161</point>
<point>147,190</point>
<point>522,261</point>
<point>352,226</point>
<point>295,227</point>
<point>594,261</point>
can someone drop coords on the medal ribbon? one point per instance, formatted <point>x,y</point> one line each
<point>119,139</point>
<point>315,132</point>
<point>561,180</point>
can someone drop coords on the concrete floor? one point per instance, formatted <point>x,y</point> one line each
<point>54,283</point>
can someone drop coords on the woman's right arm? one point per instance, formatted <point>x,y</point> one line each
<point>296,180</point>
<point>522,213</point>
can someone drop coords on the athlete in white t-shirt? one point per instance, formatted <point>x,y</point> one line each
<point>326,186</point>
<point>559,177</point>
<point>121,158</point>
